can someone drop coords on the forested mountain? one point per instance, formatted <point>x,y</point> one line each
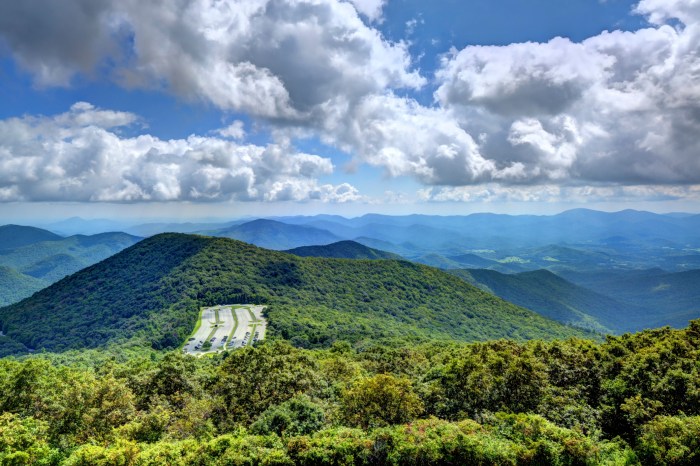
<point>343,250</point>
<point>47,260</point>
<point>151,293</point>
<point>14,236</point>
<point>673,297</point>
<point>271,234</point>
<point>554,297</point>
<point>15,286</point>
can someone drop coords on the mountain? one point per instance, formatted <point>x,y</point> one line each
<point>272,234</point>
<point>343,250</point>
<point>670,298</point>
<point>556,298</point>
<point>39,264</point>
<point>151,292</point>
<point>596,240</point>
<point>53,260</point>
<point>15,286</point>
<point>14,236</point>
<point>80,226</point>
<point>150,229</point>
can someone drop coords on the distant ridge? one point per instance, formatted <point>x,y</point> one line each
<point>40,263</point>
<point>14,236</point>
<point>552,296</point>
<point>16,286</point>
<point>271,234</point>
<point>343,250</point>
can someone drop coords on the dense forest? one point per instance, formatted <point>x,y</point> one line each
<point>633,400</point>
<point>150,294</point>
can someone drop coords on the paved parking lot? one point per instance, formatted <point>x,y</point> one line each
<point>227,327</point>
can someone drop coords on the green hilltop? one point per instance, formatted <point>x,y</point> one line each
<point>343,250</point>
<point>150,293</point>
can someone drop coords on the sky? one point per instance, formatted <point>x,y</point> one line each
<point>211,108</point>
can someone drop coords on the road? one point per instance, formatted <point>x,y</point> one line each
<point>224,333</point>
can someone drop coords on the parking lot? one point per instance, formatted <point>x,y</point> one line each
<point>227,327</point>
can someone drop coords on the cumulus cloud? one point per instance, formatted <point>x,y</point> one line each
<point>235,130</point>
<point>80,156</point>
<point>372,9</point>
<point>620,108</point>
<point>278,59</point>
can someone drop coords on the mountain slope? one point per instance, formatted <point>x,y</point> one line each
<point>670,298</point>
<point>343,250</point>
<point>53,260</point>
<point>14,236</point>
<point>554,297</point>
<point>272,234</point>
<point>150,294</point>
<point>16,286</point>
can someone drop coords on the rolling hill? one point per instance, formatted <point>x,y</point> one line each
<point>14,236</point>
<point>271,234</point>
<point>16,286</point>
<point>343,250</point>
<point>556,298</point>
<point>46,261</point>
<point>670,298</point>
<point>150,294</point>
<point>54,259</point>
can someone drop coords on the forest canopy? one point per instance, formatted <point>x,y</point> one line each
<point>633,399</point>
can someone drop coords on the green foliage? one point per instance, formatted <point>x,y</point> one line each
<point>671,440</point>
<point>297,416</point>
<point>252,380</point>
<point>23,441</point>
<point>379,401</point>
<point>150,294</point>
<point>632,400</point>
<point>15,286</point>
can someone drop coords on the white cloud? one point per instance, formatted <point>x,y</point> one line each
<point>620,108</point>
<point>552,193</point>
<point>77,156</point>
<point>277,59</point>
<point>372,9</point>
<point>235,130</point>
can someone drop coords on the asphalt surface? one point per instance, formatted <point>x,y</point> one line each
<point>250,323</point>
<point>243,327</point>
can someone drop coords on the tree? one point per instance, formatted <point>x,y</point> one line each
<point>380,401</point>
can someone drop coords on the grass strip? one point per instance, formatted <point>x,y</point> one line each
<point>216,322</point>
<point>235,326</point>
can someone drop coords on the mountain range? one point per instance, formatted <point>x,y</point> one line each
<point>150,294</point>
<point>32,258</point>
<point>613,273</point>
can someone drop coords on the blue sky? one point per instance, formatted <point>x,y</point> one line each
<point>223,109</point>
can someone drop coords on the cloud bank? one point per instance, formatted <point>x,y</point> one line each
<point>618,109</point>
<point>81,156</point>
